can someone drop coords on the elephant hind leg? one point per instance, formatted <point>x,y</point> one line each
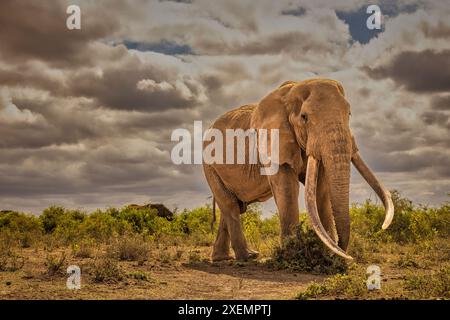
<point>230,227</point>
<point>221,250</point>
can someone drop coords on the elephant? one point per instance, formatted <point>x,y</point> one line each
<point>161,209</point>
<point>316,147</point>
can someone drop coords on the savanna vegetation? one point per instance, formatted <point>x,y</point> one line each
<point>132,253</point>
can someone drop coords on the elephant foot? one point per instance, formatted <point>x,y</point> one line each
<point>247,255</point>
<point>221,257</point>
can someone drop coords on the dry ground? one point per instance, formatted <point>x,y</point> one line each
<point>187,273</point>
<point>165,280</point>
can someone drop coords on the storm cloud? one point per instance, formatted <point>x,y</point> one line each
<point>425,71</point>
<point>86,115</point>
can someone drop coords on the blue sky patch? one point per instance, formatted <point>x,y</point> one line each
<point>164,46</point>
<point>356,20</point>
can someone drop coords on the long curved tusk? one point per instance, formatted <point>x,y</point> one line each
<point>311,207</point>
<point>377,186</point>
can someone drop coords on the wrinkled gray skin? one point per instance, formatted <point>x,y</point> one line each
<point>313,121</point>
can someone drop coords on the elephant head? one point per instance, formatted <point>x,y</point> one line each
<point>314,116</point>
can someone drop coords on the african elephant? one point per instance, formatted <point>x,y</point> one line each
<point>316,147</point>
<point>161,209</point>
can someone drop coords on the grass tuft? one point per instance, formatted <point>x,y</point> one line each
<point>55,264</point>
<point>339,285</point>
<point>429,286</point>
<point>107,271</point>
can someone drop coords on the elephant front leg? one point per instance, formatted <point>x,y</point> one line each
<point>285,188</point>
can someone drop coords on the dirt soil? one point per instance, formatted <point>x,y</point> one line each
<point>166,280</point>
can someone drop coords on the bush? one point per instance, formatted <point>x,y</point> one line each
<point>305,252</point>
<point>336,286</point>
<point>83,249</point>
<point>50,218</point>
<point>9,260</point>
<point>435,285</point>
<point>261,234</point>
<point>22,228</point>
<point>64,224</point>
<point>360,248</point>
<point>55,264</point>
<point>140,220</point>
<point>411,224</point>
<point>196,225</point>
<point>251,224</point>
<point>129,249</point>
<point>103,225</point>
<point>57,225</point>
<point>107,271</point>
<point>407,261</point>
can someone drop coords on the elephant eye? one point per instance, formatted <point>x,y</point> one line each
<point>304,117</point>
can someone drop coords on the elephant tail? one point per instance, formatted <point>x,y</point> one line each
<point>213,221</point>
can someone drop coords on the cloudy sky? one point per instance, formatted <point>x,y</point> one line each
<point>86,115</point>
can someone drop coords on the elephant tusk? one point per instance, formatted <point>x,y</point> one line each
<point>377,186</point>
<point>311,207</point>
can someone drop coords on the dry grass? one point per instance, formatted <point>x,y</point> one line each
<point>129,249</point>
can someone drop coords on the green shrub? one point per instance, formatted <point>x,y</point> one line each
<point>62,223</point>
<point>69,227</point>
<point>426,286</point>
<point>306,252</point>
<point>50,218</point>
<point>437,250</point>
<point>440,219</point>
<point>195,225</point>
<point>58,226</point>
<point>360,248</point>
<point>407,261</point>
<point>258,231</point>
<point>348,286</point>
<point>140,220</point>
<point>270,227</point>
<point>103,225</point>
<point>411,224</point>
<point>19,222</point>
<point>251,224</point>
<point>107,271</point>
<point>22,228</point>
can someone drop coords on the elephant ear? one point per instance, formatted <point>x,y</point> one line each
<point>289,82</point>
<point>272,113</point>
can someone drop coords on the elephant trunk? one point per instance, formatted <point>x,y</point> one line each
<point>311,207</point>
<point>337,172</point>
